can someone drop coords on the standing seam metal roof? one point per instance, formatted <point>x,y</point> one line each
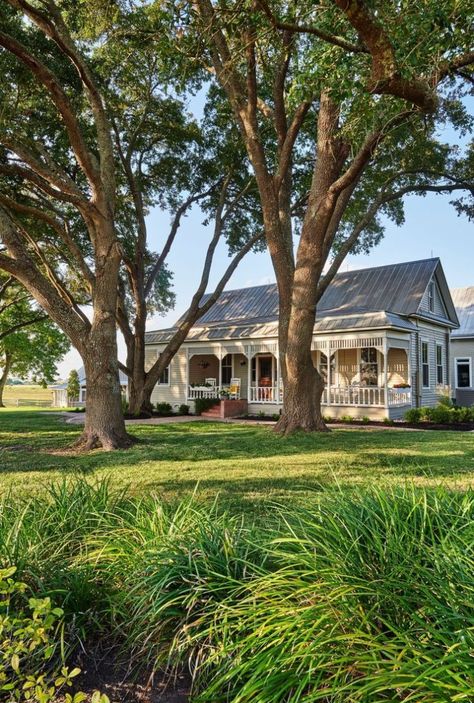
<point>396,290</point>
<point>463,299</point>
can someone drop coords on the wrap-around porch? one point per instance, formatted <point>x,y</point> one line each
<point>360,371</point>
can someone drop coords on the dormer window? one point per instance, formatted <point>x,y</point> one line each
<point>431,294</point>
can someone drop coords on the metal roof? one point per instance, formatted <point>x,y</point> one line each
<point>397,288</point>
<point>374,297</point>
<point>463,299</point>
<point>340,323</point>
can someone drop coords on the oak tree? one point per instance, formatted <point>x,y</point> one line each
<point>338,105</point>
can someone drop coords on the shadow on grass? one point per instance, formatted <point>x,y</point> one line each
<point>238,460</point>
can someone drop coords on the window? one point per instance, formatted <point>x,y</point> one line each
<point>165,377</point>
<point>425,365</point>
<point>369,368</point>
<point>431,295</point>
<point>463,373</point>
<point>226,370</point>
<point>439,365</point>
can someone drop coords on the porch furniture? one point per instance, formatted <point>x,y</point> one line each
<point>234,389</point>
<point>210,381</point>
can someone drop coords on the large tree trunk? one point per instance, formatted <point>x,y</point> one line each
<point>303,385</point>
<point>104,422</point>
<point>139,396</point>
<point>3,378</point>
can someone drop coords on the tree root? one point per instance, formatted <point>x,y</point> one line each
<point>288,425</point>
<point>108,442</point>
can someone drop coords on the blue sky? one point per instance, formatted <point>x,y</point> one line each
<point>432,228</point>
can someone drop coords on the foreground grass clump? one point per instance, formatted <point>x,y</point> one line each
<point>362,597</point>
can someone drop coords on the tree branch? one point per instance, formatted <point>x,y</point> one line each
<point>307,29</point>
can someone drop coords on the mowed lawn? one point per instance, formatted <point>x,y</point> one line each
<point>26,393</point>
<point>243,464</point>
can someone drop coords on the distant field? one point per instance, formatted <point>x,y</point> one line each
<point>32,394</point>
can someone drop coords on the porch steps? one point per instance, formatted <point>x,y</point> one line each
<point>226,408</point>
<point>214,411</point>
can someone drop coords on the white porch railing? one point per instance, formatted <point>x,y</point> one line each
<point>264,394</point>
<point>356,396</point>
<point>195,392</point>
<point>366,396</point>
<point>399,396</point>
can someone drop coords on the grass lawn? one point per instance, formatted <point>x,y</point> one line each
<point>25,393</point>
<point>243,464</point>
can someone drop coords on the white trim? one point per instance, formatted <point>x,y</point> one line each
<point>427,342</point>
<point>464,359</point>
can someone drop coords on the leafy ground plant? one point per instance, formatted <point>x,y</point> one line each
<point>31,667</point>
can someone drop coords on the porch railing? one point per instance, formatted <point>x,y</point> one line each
<point>399,396</point>
<point>264,394</point>
<point>195,392</point>
<point>366,396</point>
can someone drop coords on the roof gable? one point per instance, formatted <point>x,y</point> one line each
<point>463,299</point>
<point>443,303</point>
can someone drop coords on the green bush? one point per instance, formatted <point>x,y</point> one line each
<point>413,416</point>
<point>203,404</point>
<point>442,414</point>
<point>31,667</point>
<point>164,409</point>
<point>183,409</point>
<point>426,414</point>
<point>346,418</point>
<point>365,420</point>
<point>461,414</point>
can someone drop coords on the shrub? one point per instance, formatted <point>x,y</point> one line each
<point>445,399</point>
<point>346,418</point>
<point>31,667</point>
<point>442,414</point>
<point>365,420</point>
<point>413,416</point>
<point>183,409</point>
<point>461,414</point>
<point>203,404</point>
<point>387,421</point>
<point>164,409</point>
<point>426,414</point>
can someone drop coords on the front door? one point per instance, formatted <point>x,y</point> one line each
<point>265,371</point>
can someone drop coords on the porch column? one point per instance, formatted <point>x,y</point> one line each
<point>409,371</point>
<point>219,380</point>
<point>328,381</point>
<point>249,373</point>
<point>385,370</point>
<point>278,380</point>
<point>186,393</point>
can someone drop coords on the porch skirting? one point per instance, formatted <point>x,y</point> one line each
<point>337,411</point>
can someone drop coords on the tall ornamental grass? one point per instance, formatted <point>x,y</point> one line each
<point>363,597</point>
